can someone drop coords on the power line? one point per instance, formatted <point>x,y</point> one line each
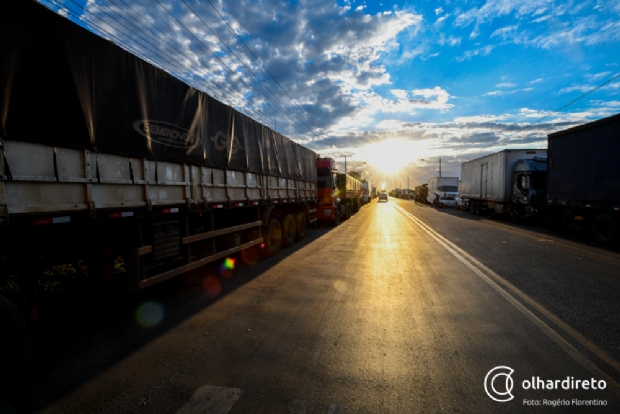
<point>570,103</point>
<point>243,63</point>
<point>163,58</point>
<point>215,55</point>
<point>263,66</point>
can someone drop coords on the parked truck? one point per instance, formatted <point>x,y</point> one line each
<point>421,193</point>
<point>116,175</point>
<point>583,179</point>
<point>339,195</point>
<point>366,192</point>
<point>511,182</point>
<point>441,186</point>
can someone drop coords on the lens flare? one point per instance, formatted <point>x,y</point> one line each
<point>149,314</point>
<point>212,286</point>
<point>227,267</point>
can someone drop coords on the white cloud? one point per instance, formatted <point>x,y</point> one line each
<point>505,92</point>
<point>483,51</point>
<point>505,31</point>
<point>450,40</point>
<point>438,11</point>
<point>505,85</point>
<point>479,119</point>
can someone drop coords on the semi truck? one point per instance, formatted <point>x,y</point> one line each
<point>583,178</point>
<point>115,175</point>
<point>339,194</point>
<point>510,182</point>
<point>442,186</point>
<point>366,192</point>
<point>421,193</point>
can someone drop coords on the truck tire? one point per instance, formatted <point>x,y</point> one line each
<point>604,228</point>
<point>477,208</point>
<point>15,347</point>
<point>472,206</point>
<point>289,230</point>
<point>337,215</point>
<point>272,238</point>
<point>301,225</point>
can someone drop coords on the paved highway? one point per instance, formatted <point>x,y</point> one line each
<point>401,309</point>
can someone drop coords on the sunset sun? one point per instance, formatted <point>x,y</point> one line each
<point>391,155</point>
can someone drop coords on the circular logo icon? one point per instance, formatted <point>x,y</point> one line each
<point>499,377</point>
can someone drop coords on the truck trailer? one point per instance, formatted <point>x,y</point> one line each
<point>510,182</point>
<point>366,192</point>
<point>124,175</point>
<point>583,179</point>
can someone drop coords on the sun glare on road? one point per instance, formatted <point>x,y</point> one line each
<point>391,155</point>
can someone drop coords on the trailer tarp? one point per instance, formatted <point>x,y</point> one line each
<point>583,163</point>
<point>64,86</point>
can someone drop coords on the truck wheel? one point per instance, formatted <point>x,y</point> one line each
<point>337,216</point>
<point>301,225</point>
<point>604,228</point>
<point>272,238</point>
<point>347,211</point>
<point>477,208</point>
<point>15,348</point>
<point>287,224</point>
<point>472,207</point>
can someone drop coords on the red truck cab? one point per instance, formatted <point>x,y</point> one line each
<point>327,189</point>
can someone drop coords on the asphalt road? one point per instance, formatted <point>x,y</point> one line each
<point>401,309</point>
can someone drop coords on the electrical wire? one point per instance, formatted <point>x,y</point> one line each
<point>266,70</point>
<point>80,16</point>
<point>214,54</point>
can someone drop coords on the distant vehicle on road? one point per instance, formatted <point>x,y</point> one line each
<point>447,201</point>
<point>383,196</point>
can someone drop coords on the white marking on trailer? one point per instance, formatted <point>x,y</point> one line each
<point>297,407</point>
<point>211,399</point>
<point>63,219</point>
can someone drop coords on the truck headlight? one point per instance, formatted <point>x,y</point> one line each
<point>327,212</point>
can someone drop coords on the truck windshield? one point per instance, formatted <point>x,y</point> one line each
<point>323,180</point>
<point>448,188</point>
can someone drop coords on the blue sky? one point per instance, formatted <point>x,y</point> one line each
<point>388,83</point>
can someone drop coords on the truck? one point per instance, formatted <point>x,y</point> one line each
<point>421,193</point>
<point>366,192</point>
<point>116,176</point>
<point>441,186</point>
<point>339,194</point>
<point>510,182</point>
<point>583,177</point>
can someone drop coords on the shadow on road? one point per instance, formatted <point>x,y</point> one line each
<point>87,334</point>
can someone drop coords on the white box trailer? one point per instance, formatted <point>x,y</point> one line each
<point>488,181</point>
